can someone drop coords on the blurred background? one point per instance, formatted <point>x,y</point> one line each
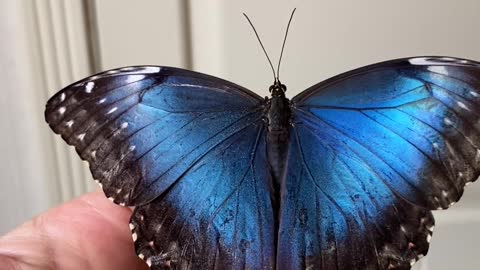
<point>47,44</point>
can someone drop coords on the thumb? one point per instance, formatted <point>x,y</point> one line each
<point>89,232</point>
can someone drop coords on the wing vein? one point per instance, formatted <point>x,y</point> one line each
<point>315,118</point>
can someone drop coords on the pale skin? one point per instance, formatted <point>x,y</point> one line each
<point>89,232</point>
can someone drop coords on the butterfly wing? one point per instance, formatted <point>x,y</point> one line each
<point>372,151</point>
<point>187,150</point>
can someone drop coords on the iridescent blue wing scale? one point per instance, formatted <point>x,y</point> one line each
<point>188,150</point>
<point>217,217</point>
<point>372,151</point>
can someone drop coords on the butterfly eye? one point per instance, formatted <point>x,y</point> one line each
<point>284,87</point>
<point>270,89</point>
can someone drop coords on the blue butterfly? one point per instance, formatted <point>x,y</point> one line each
<point>342,176</point>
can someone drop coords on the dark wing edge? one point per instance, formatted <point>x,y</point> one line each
<point>434,120</point>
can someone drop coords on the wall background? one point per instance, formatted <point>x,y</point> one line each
<point>47,44</point>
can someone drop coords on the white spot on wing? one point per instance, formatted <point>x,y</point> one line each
<point>447,121</point>
<point>112,110</point>
<point>449,59</point>
<point>124,125</point>
<point>81,136</point>
<point>69,123</point>
<point>149,262</point>
<point>99,184</point>
<point>444,193</point>
<point>131,226</point>
<point>62,97</point>
<point>110,198</point>
<point>462,105</point>
<point>151,69</point>
<point>429,238</point>
<point>131,148</point>
<point>93,154</point>
<point>102,100</point>
<point>134,237</point>
<point>151,243</point>
<point>475,94</point>
<point>134,78</point>
<point>89,87</point>
<point>62,110</point>
<point>438,69</point>
<point>131,74</point>
<point>140,70</point>
<point>141,256</point>
<point>419,61</point>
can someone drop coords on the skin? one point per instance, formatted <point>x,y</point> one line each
<point>89,232</point>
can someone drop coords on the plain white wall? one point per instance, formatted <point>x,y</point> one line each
<point>211,36</point>
<point>42,48</point>
<point>26,176</point>
<point>147,32</point>
<point>327,37</point>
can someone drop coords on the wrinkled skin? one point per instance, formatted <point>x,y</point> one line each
<point>89,232</point>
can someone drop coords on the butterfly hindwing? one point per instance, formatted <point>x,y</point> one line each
<point>188,150</point>
<point>372,151</point>
<point>338,213</point>
<point>218,217</point>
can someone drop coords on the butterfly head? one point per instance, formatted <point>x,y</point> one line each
<point>277,89</point>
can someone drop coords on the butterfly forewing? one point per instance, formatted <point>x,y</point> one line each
<point>186,148</point>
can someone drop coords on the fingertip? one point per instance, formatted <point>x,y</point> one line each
<point>88,230</point>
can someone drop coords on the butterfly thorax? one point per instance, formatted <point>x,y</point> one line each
<point>278,125</point>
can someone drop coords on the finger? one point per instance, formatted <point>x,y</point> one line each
<point>87,233</point>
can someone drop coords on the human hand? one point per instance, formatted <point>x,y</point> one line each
<point>89,232</point>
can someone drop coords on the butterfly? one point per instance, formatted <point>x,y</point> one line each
<point>343,176</point>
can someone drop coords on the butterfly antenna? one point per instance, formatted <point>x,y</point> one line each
<point>283,45</point>
<point>261,44</point>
